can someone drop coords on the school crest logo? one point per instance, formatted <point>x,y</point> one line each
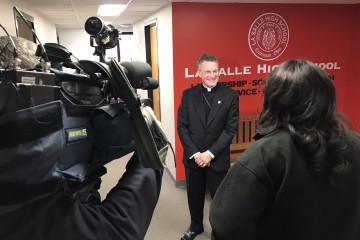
<point>268,36</point>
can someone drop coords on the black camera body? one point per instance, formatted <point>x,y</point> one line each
<point>75,148</point>
<point>59,129</point>
<point>21,89</point>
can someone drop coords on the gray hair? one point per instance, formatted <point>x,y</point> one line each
<point>206,57</point>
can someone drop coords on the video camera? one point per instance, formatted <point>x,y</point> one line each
<point>59,129</point>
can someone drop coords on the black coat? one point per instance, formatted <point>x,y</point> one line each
<point>270,193</point>
<point>216,134</point>
<point>125,213</point>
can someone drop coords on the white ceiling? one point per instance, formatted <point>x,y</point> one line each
<point>74,13</point>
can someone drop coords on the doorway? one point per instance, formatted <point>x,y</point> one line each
<point>151,44</point>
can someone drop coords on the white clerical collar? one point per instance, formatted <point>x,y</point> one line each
<point>208,88</point>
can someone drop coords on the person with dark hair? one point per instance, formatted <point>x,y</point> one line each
<point>300,179</point>
<point>207,121</point>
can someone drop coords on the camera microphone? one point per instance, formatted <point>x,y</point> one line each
<point>45,63</point>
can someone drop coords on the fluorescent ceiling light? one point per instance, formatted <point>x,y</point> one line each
<point>126,25</point>
<point>110,9</point>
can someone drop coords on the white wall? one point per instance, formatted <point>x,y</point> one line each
<point>45,30</point>
<point>77,41</point>
<point>163,19</point>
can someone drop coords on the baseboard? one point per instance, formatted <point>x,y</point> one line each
<point>178,183</point>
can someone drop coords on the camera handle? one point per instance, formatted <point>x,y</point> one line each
<point>145,146</point>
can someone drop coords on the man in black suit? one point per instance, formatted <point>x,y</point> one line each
<point>207,121</point>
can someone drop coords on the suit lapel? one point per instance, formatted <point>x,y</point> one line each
<point>216,105</point>
<point>199,104</point>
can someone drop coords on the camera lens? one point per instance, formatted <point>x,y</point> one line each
<point>94,26</point>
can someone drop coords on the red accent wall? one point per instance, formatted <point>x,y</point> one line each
<point>352,91</point>
<point>324,34</point>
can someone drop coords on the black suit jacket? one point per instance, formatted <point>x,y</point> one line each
<point>215,134</point>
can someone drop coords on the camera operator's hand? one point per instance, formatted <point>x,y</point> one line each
<point>132,202</point>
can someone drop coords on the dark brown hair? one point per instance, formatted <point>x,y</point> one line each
<point>299,97</point>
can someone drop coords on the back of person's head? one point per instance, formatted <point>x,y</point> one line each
<point>299,97</point>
